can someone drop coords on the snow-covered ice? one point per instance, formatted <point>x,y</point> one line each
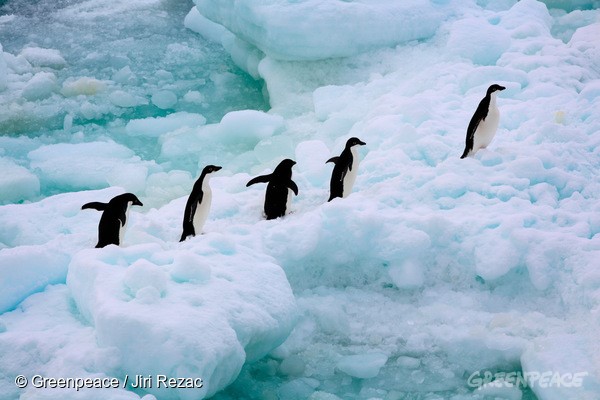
<point>434,272</point>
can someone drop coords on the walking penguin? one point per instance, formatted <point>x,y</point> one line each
<point>279,187</point>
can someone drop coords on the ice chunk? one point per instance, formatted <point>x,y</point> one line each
<point>309,156</point>
<point>125,76</point>
<point>561,366</point>
<point>124,99</point>
<point>82,86</point>
<point>88,165</point>
<point>40,86</point>
<point>478,40</point>
<point>29,269</point>
<point>500,389</point>
<point>237,132</point>
<point>205,328</point>
<point>274,148</point>
<point>194,96</point>
<point>17,183</point>
<point>210,30</point>
<point>319,395</point>
<point>362,366</point>
<point>143,275</point>
<point>528,18</point>
<point>164,99</point>
<point>40,57</point>
<point>46,336</point>
<point>350,27</point>
<point>188,267</point>
<point>155,127</point>
<point>407,275</point>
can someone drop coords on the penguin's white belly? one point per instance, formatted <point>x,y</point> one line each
<point>486,130</point>
<point>123,227</point>
<point>350,176</point>
<point>202,211</point>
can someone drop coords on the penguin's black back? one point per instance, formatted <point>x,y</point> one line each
<point>278,185</point>
<point>113,217</point>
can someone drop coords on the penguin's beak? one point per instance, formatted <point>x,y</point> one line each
<point>137,202</point>
<point>501,88</point>
<point>361,143</point>
<point>217,167</point>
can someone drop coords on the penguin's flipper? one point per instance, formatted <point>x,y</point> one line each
<point>292,185</point>
<point>188,230</point>
<point>188,217</point>
<point>480,115</point>
<point>190,210</point>
<point>96,205</point>
<point>259,179</point>
<point>123,216</point>
<point>468,147</point>
<point>471,135</point>
<point>333,160</point>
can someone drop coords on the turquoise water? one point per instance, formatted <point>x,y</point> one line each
<point>137,47</point>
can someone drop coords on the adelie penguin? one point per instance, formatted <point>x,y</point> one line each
<point>484,123</point>
<point>345,169</point>
<point>113,221</point>
<point>279,187</point>
<point>198,204</point>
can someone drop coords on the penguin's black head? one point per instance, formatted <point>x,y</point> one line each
<point>495,88</point>
<point>126,198</point>
<point>354,141</point>
<point>210,169</point>
<point>285,165</point>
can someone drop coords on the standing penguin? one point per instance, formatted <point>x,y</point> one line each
<point>484,122</point>
<point>278,196</point>
<point>198,204</point>
<point>345,169</point>
<point>113,221</point>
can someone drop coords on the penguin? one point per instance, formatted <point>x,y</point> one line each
<point>113,221</point>
<point>198,204</point>
<point>280,185</point>
<point>484,122</point>
<point>345,169</point>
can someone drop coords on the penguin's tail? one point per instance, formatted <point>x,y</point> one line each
<point>465,153</point>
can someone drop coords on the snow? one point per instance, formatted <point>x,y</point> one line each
<point>432,270</point>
